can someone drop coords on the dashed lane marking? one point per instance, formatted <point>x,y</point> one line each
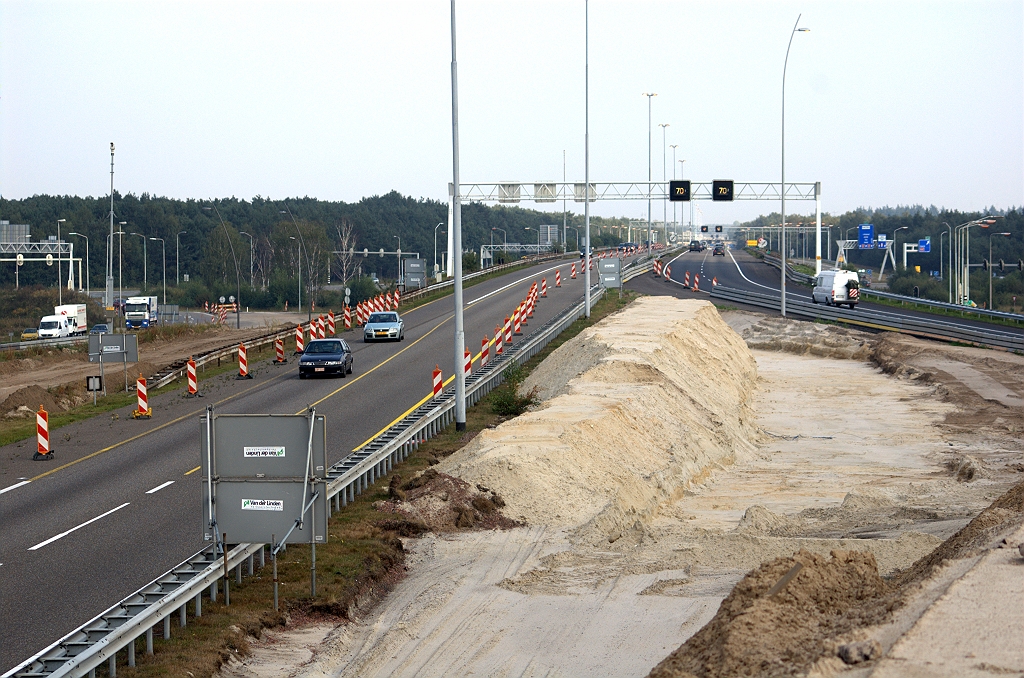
<point>64,534</point>
<point>160,487</point>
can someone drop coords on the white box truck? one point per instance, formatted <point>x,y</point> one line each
<point>75,313</point>
<point>141,312</point>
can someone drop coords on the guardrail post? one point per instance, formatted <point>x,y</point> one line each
<point>167,627</point>
<point>249,564</point>
<point>199,606</point>
<point>181,616</point>
<point>263,557</point>
<point>149,640</point>
<point>238,573</point>
<point>131,653</point>
<point>213,591</point>
<point>112,665</point>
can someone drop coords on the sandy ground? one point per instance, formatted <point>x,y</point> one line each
<point>660,472</point>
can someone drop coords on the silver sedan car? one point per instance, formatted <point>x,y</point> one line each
<point>386,325</point>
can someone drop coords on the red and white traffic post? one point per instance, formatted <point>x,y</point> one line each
<point>485,345</point>
<point>558,278</point>
<point>193,381</point>
<point>43,451</point>
<point>299,340</point>
<point>348,318</point>
<point>508,330</point>
<point>668,273</point>
<point>696,282</point>
<point>143,411</point>
<point>497,341</point>
<point>438,381</point>
<point>544,287</point>
<point>243,364</point>
<point>330,323</point>
<point>279,350</point>
<point>469,360</point>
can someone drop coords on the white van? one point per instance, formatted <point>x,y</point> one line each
<point>836,287</point>
<point>54,327</point>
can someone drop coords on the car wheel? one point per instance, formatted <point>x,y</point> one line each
<point>851,306</point>
<point>814,299</point>
<point>350,368</point>
<point>301,375</point>
<point>366,340</point>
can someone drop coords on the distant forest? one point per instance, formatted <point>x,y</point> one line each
<point>274,228</point>
<point>917,223</point>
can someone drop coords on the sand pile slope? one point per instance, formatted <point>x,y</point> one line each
<point>644,402</point>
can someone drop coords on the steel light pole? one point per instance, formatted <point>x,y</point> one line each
<point>895,244</point>
<point>674,147</point>
<point>238,281</point>
<point>949,268</point>
<point>990,267</point>
<point>298,258</point>
<point>504,237</point>
<point>60,284</point>
<point>251,286</point>
<point>309,270</point>
<point>649,95</point>
<point>460,332</point>
<point>80,235</point>
<point>664,177</point>
<point>163,256</point>
<point>586,156</point>
<point>439,225</point>
<point>120,263</point>
<point>782,188</point>
<point>577,232</point>
<point>109,282</point>
<point>145,258</point>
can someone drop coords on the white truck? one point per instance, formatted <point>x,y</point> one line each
<point>75,313</point>
<point>836,287</point>
<point>141,312</point>
<point>54,327</point>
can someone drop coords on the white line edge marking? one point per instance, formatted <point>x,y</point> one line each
<point>160,487</point>
<point>15,486</point>
<point>736,263</point>
<point>64,534</point>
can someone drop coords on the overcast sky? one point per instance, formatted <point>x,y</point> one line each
<point>886,102</point>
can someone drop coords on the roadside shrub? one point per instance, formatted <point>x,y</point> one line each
<point>506,399</point>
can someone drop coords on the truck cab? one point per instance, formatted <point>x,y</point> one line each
<point>141,312</point>
<point>54,327</point>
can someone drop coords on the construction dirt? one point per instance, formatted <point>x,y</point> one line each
<point>62,372</point>
<point>704,494</point>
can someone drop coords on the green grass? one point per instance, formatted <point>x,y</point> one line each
<point>360,561</point>
<point>945,312</point>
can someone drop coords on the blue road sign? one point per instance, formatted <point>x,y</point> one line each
<point>866,236</point>
<point>924,245</point>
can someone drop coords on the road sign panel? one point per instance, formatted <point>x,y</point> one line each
<point>679,190</point>
<point>866,236</point>
<point>721,190</point>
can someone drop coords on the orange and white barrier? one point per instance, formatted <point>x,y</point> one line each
<point>686,279</point>
<point>497,341</point>
<point>657,268</point>
<point>398,297</point>
<point>279,351</point>
<point>348,318</point>
<point>43,452</point>
<point>143,410</point>
<point>485,347</point>
<point>299,339</point>
<point>668,273</point>
<point>696,282</point>
<point>469,361</point>
<point>243,363</point>
<point>573,274</point>
<point>558,278</point>
<point>330,323</point>
<point>517,323</point>
<point>387,302</point>
<point>508,330</point>
<point>714,281</point>
<point>193,381</point>
<point>322,328</point>
<point>544,287</point>
<point>438,381</point>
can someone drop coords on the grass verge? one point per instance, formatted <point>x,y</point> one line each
<point>361,562</point>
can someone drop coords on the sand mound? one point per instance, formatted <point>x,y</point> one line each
<point>30,397</point>
<point>759,631</point>
<point>646,401</point>
<point>437,502</point>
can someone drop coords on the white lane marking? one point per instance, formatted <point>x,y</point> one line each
<point>745,277</point>
<point>517,282</point>
<point>160,487</point>
<point>15,486</point>
<point>64,534</point>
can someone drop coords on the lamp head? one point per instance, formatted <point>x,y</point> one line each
<point>803,30</point>
<point>61,221</point>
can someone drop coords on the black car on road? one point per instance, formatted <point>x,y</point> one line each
<point>324,357</point>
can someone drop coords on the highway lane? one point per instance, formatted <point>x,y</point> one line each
<point>48,588</point>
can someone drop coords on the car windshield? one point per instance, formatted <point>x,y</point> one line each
<point>383,318</point>
<point>136,308</point>
<point>49,325</point>
<point>30,329</point>
<point>324,347</point>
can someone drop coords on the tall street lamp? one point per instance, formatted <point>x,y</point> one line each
<point>949,268</point>
<point>782,188</point>
<point>238,282</point>
<point>303,250</point>
<point>990,268</point>
<point>895,243</point>
<point>251,286</point>
<point>664,177</point>
<point>439,225</point>
<point>163,248</point>
<point>674,147</point>
<point>60,285</point>
<point>177,260</point>
<point>682,217</point>
<point>145,258</point>
<point>120,263</point>
<point>530,228</point>
<point>86,260</point>
<point>298,259</point>
<point>110,248</point>
<point>399,238</point>
<point>577,232</point>
<point>649,95</point>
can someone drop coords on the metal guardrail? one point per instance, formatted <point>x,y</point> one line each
<point>119,627</point>
<point>484,271</point>
<point>930,303</point>
<point>791,273</point>
<point>929,328</point>
<point>36,343</point>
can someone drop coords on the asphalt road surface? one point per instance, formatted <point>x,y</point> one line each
<point>120,505</point>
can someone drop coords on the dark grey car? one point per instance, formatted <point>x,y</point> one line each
<point>325,357</point>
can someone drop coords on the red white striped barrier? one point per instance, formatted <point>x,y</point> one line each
<point>668,273</point>
<point>348,318</point>
<point>558,278</point>
<point>279,350</point>
<point>497,341</point>
<point>144,411</point>
<point>485,349</point>
<point>243,363</point>
<point>529,306</point>
<point>469,360</point>
<point>714,281</point>
<point>299,339</point>
<point>657,268</point>
<point>517,323</point>
<point>573,275</point>
<point>438,381</point>
<point>696,282</point>
<point>398,297</point>
<point>321,328</point>
<point>43,452</point>
<point>206,307</point>
<point>508,330</point>
<point>330,323</point>
<point>193,382</point>
<point>387,302</point>
<point>686,279</point>
<point>544,287</point>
